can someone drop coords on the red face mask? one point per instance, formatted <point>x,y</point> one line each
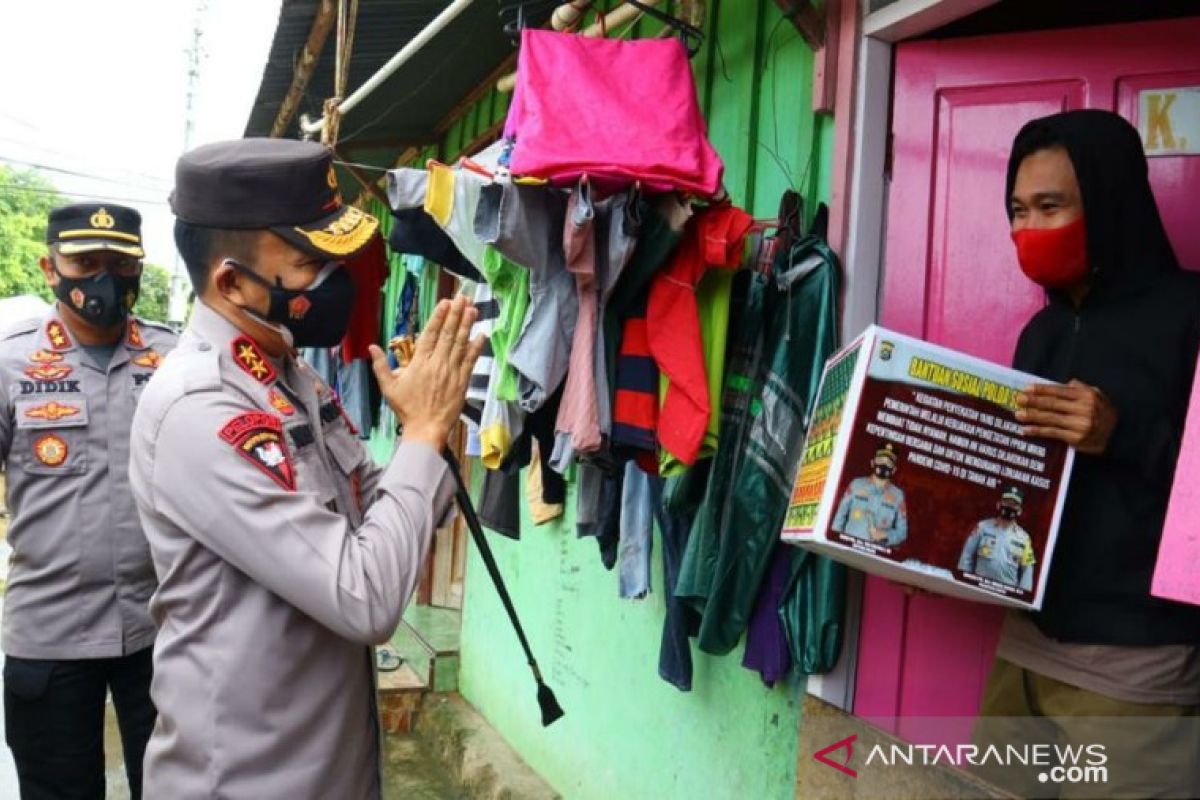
<point>1053,257</point>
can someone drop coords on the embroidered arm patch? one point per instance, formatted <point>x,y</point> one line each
<point>258,438</point>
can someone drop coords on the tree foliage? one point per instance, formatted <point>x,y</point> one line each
<point>155,296</point>
<point>25,199</point>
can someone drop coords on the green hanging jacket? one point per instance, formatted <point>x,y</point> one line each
<point>740,521</point>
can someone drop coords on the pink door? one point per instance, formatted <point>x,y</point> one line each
<point>951,277</point>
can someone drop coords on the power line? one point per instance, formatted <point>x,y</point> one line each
<point>52,151</point>
<point>89,175</point>
<point>13,187</point>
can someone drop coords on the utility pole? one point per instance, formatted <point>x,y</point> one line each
<point>180,285</point>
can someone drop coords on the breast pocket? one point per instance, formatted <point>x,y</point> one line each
<point>311,474</point>
<point>52,436</point>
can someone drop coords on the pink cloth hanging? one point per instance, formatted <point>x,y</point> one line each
<point>618,111</point>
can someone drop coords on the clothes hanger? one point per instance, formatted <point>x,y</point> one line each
<point>691,36</point>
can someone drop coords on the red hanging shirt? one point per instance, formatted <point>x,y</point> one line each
<point>715,237</point>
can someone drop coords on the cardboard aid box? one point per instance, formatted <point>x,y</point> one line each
<point>915,469</point>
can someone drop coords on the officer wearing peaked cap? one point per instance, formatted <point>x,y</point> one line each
<point>873,507</point>
<point>76,618</point>
<point>999,548</point>
<point>283,551</point>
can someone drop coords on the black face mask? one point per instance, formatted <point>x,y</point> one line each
<point>883,472</point>
<point>1008,513</point>
<point>316,316</point>
<point>104,300</point>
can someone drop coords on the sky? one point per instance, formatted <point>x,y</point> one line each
<point>99,89</point>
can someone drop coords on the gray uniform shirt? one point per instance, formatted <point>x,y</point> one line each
<point>282,552</point>
<point>1000,551</point>
<point>866,505</point>
<point>80,576</point>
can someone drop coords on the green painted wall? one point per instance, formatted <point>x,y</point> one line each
<point>628,734</point>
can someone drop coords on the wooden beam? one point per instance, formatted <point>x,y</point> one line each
<point>849,21</point>
<point>825,61</point>
<point>806,19</point>
<point>309,56</point>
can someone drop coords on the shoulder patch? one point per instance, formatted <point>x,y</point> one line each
<point>252,360</point>
<point>56,332</point>
<point>135,335</point>
<point>258,438</point>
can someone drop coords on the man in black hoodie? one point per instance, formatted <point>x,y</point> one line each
<point>1103,662</point>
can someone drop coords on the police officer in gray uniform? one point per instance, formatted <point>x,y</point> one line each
<point>76,618</point>
<point>283,551</point>
<point>872,509</point>
<point>999,549</point>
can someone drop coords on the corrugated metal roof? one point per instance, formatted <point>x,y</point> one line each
<point>407,108</point>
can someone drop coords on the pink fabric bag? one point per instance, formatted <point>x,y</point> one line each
<point>617,111</point>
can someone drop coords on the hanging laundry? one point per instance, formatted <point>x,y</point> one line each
<point>500,501</point>
<point>618,111</point>
<point>369,272</point>
<point>598,508</point>
<point>593,247</point>
<point>767,650</point>
<point>637,533</point>
<point>635,402</point>
<point>813,611</point>
<point>452,198</point>
<point>415,231</point>
<point>472,449</point>
<point>624,238</point>
<point>539,429</point>
<point>510,287</point>
<point>800,334</point>
<point>633,375</point>
<point>540,511</point>
<point>715,238</point>
<point>525,224</point>
<point>324,362</point>
<point>500,425</point>
<point>676,502</point>
<point>712,306</point>
<point>751,302</point>
<point>355,392</point>
<point>407,323</point>
<point>481,372</point>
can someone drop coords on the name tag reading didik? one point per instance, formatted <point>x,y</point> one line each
<point>1169,121</point>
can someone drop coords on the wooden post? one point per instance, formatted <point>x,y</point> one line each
<point>309,56</point>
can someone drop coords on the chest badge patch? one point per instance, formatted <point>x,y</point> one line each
<point>51,450</point>
<point>251,359</point>
<point>52,411</point>
<point>151,359</point>
<point>258,438</point>
<point>281,403</point>
<point>48,372</point>
<point>44,356</point>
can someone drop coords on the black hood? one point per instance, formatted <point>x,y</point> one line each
<point>1127,244</point>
